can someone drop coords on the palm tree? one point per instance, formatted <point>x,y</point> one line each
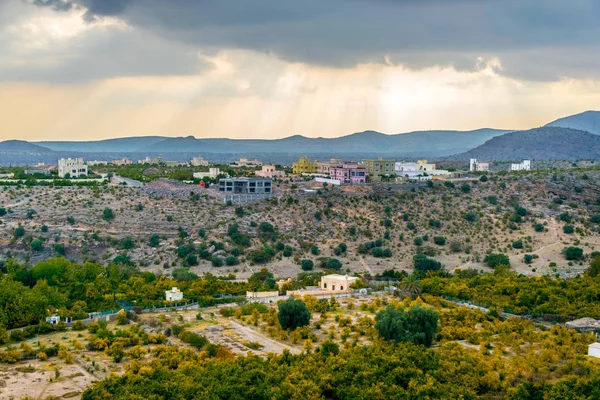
<point>411,285</point>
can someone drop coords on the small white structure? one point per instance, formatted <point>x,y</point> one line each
<point>174,294</point>
<point>419,171</point>
<point>335,182</point>
<point>146,160</point>
<point>524,166</point>
<point>478,166</point>
<point>54,319</point>
<point>212,173</point>
<point>74,167</point>
<point>199,162</point>
<point>337,283</point>
<point>594,350</point>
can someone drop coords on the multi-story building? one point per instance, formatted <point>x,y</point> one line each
<point>73,167</point>
<point>323,167</point>
<point>349,173</point>
<point>269,171</point>
<point>146,160</point>
<point>212,173</point>
<point>199,162</point>
<point>378,168</point>
<point>246,185</point>
<point>478,166</point>
<point>304,166</point>
<point>122,161</point>
<point>524,166</point>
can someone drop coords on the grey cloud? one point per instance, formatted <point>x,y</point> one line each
<point>57,5</point>
<point>528,35</point>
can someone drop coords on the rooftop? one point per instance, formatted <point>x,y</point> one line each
<point>595,345</point>
<point>340,277</point>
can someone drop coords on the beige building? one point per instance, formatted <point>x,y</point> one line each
<point>324,167</point>
<point>337,283</point>
<point>199,162</point>
<point>269,171</point>
<point>122,161</point>
<point>260,295</point>
<point>379,167</point>
<point>478,166</point>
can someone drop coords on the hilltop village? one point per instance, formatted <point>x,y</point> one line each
<point>111,268</point>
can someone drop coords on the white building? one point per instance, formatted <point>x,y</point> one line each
<point>269,171</point>
<point>244,162</point>
<point>477,166</point>
<point>96,162</point>
<point>174,294</point>
<point>421,170</point>
<point>74,167</point>
<point>212,173</point>
<point>199,162</point>
<point>594,350</point>
<point>146,160</point>
<point>524,166</point>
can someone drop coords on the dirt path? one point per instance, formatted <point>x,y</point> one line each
<point>269,345</point>
<point>365,266</point>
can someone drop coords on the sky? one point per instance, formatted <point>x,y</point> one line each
<point>97,69</point>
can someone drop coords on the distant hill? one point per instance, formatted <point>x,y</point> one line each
<point>426,142</point>
<point>586,121</point>
<point>23,146</point>
<point>545,143</point>
<point>128,144</point>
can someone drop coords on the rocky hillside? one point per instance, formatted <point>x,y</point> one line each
<point>546,143</point>
<point>586,121</point>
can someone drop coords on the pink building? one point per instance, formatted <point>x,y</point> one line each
<point>269,171</point>
<point>349,172</point>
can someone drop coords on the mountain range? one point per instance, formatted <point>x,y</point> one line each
<point>545,143</point>
<point>491,144</point>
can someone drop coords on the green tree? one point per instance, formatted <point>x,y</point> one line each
<point>495,259</point>
<point>293,314</point>
<point>465,188</point>
<point>37,245</point>
<point>594,268</point>
<point>424,264</point>
<point>307,265</point>
<point>418,324</point>
<point>573,253</point>
<point>334,263</point>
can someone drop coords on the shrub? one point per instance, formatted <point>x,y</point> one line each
<point>465,188</point>
<point>439,240</point>
<point>293,314</point>
<point>37,245</point>
<point>78,326</point>
<point>493,260</point>
<point>424,264</point>
<point>517,244</point>
<point>154,240</point>
<point>231,260</point>
<point>217,261</point>
<point>307,265</point>
<point>471,216</point>
<point>527,258</point>
<point>334,263</point>
<point>108,214</point>
<point>539,227</point>
<point>418,241</point>
<point>568,229</point>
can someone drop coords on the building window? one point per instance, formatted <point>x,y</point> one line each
<point>332,287</point>
<point>324,285</point>
<point>341,288</point>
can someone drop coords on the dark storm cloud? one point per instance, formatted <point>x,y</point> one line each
<point>57,5</point>
<point>534,39</point>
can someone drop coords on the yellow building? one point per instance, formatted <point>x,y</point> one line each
<point>304,166</point>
